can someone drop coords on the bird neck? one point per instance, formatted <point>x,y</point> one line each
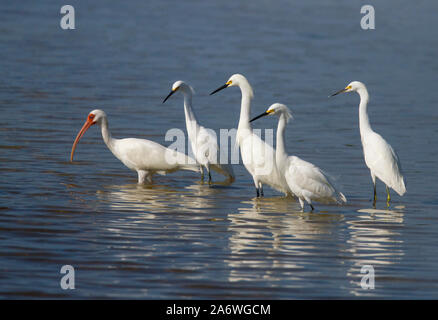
<point>280,151</point>
<point>106,135</point>
<point>191,121</point>
<point>245,107</point>
<point>364,122</point>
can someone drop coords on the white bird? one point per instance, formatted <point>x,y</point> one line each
<point>305,180</point>
<point>380,157</point>
<point>144,156</point>
<point>258,157</point>
<point>202,140</point>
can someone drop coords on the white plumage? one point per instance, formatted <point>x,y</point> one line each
<point>202,140</point>
<point>310,183</point>
<point>305,180</point>
<point>380,157</point>
<point>383,162</point>
<point>257,156</point>
<point>141,155</point>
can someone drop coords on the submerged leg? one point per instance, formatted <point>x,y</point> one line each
<point>309,201</point>
<point>207,167</point>
<point>375,196</point>
<point>144,176</point>
<point>301,204</point>
<point>201,168</point>
<point>375,190</point>
<point>388,199</point>
<point>257,186</point>
<point>261,189</point>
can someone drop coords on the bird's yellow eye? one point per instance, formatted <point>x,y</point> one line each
<point>229,82</point>
<point>270,111</point>
<point>348,88</point>
<point>175,89</point>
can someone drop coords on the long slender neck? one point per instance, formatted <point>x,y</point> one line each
<point>364,122</point>
<point>280,152</point>
<point>188,109</point>
<point>191,121</point>
<point>245,107</point>
<point>106,135</point>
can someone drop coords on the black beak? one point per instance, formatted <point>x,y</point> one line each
<point>336,93</point>
<point>219,89</point>
<point>259,116</point>
<point>168,96</point>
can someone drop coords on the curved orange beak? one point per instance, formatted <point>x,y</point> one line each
<point>85,127</point>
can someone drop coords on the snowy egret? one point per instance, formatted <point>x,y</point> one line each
<point>258,157</point>
<point>305,180</point>
<point>380,157</point>
<point>144,156</point>
<point>202,140</point>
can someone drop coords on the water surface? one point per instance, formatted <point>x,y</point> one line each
<point>178,238</point>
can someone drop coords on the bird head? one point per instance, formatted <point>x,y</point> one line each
<point>352,86</point>
<point>277,109</point>
<point>180,86</point>
<point>95,116</point>
<point>236,80</point>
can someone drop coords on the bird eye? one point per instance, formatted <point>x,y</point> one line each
<point>91,116</point>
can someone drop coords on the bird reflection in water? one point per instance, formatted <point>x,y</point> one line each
<point>374,239</point>
<point>291,235</point>
<point>155,198</point>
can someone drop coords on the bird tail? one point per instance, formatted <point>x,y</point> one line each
<point>341,197</point>
<point>185,162</point>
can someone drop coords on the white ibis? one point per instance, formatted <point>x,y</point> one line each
<point>141,155</point>
<point>258,157</point>
<point>380,157</point>
<point>202,140</point>
<point>305,180</point>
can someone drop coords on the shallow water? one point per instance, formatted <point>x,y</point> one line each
<point>178,238</point>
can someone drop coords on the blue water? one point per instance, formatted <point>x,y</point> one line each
<point>178,238</point>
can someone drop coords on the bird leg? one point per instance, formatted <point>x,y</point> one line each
<point>261,189</point>
<point>375,196</point>
<point>311,206</point>
<point>144,176</point>
<point>388,199</point>
<point>257,186</point>
<point>202,173</point>
<point>301,204</point>
<point>209,176</point>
